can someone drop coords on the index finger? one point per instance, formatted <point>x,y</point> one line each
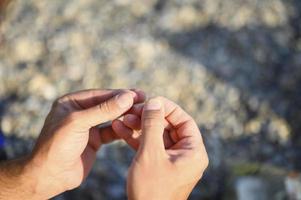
<point>183,123</point>
<point>88,98</point>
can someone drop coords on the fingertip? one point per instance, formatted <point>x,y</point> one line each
<point>132,93</point>
<point>125,99</point>
<point>117,125</point>
<point>120,128</point>
<point>130,118</point>
<point>140,95</point>
<point>132,121</point>
<point>136,109</point>
<point>125,133</point>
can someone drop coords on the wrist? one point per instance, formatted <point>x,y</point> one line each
<point>18,181</point>
<point>167,194</point>
<point>43,184</point>
<point>150,195</point>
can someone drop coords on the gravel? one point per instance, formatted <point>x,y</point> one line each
<point>235,66</point>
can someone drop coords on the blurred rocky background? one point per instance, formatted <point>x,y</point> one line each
<point>234,65</point>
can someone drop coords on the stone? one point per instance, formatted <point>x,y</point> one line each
<point>27,50</point>
<point>234,66</point>
<point>41,85</point>
<point>7,125</point>
<point>146,51</point>
<point>251,188</point>
<point>293,185</point>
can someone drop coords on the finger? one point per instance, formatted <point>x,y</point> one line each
<point>132,121</point>
<point>167,136</point>
<point>168,141</point>
<point>179,119</point>
<point>136,109</point>
<point>125,133</point>
<point>153,128</point>
<point>89,98</point>
<point>141,96</point>
<point>107,135</point>
<point>89,156</point>
<point>100,136</point>
<point>106,111</point>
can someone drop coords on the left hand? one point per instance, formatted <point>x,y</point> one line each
<point>66,148</point>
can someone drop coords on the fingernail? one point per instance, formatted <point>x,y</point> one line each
<point>124,100</point>
<point>153,104</point>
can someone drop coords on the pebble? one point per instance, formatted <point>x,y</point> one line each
<point>293,185</point>
<point>27,50</point>
<point>225,62</point>
<point>251,188</point>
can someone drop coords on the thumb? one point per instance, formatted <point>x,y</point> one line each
<point>106,111</point>
<point>152,127</point>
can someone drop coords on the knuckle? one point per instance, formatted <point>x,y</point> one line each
<point>73,183</point>
<point>201,157</point>
<point>56,102</point>
<point>206,162</point>
<point>77,182</point>
<point>189,119</point>
<point>60,103</point>
<point>105,107</point>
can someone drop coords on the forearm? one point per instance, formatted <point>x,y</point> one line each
<point>17,180</point>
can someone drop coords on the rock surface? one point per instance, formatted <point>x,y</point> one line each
<point>234,65</point>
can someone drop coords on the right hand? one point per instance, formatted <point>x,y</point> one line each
<point>161,171</point>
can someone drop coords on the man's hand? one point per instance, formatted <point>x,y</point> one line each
<point>66,148</point>
<point>171,156</point>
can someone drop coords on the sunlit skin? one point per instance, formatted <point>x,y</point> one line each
<point>171,156</point>
<point>66,148</point>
